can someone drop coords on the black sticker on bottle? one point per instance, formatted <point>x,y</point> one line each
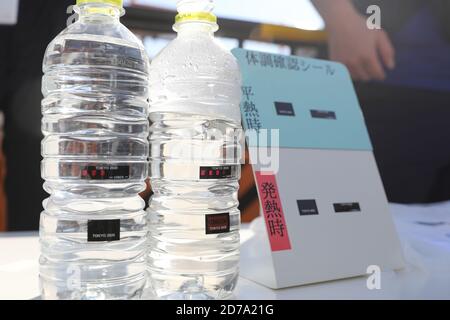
<point>284,109</point>
<point>307,207</point>
<point>323,114</point>
<point>347,207</point>
<point>217,223</point>
<point>217,172</point>
<point>103,230</point>
<point>105,172</point>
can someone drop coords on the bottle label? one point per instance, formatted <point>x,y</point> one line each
<point>216,172</point>
<point>217,223</point>
<point>103,230</point>
<point>112,54</point>
<point>108,172</point>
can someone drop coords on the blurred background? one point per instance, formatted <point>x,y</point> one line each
<point>401,74</point>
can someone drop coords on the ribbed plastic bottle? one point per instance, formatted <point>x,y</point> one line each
<point>93,229</point>
<point>196,149</point>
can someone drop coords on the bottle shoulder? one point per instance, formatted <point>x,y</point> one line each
<point>195,76</point>
<point>82,43</point>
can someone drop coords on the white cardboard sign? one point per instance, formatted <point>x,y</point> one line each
<point>324,212</point>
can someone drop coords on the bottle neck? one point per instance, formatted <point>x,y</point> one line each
<point>195,28</point>
<point>99,12</point>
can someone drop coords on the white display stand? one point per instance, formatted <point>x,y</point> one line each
<point>325,211</point>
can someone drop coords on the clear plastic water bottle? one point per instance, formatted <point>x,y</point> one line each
<point>196,150</point>
<point>93,230</point>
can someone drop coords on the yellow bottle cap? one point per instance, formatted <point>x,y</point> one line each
<point>117,3</point>
<point>195,16</point>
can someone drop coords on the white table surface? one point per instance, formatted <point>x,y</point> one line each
<point>424,231</point>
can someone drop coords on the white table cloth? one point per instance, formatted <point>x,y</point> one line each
<point>424,231</point>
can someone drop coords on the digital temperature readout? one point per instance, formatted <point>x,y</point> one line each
<point>105,172</point>
<point>219,172</point>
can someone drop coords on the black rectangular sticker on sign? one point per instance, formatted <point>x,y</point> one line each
<point>307,207</point>
<point>103,230</point>
<point>322,114</point>
<point>284,109</point>
<point>218,172</point>
<point>347,207</point>
<point>105,172</point>
<point>217,223</point>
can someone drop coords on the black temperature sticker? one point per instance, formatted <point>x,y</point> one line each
<point>347,207</point>
<point>307,207</point>
<point>322,114</point>
<point>285,109</point>
<point>105,172</point>
<point>103,230</point>
<point>217,223</point>
<point>218,172</point>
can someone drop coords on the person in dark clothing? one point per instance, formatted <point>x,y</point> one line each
<point>22,50</point>
<point>402,77</point>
